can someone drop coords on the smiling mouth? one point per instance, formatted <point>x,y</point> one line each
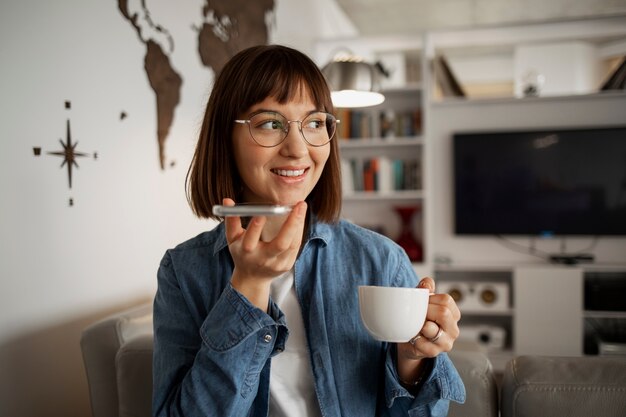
<point>289,172</point>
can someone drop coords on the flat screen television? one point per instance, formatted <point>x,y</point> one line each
<point>540,182</point>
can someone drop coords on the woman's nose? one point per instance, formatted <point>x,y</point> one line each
<point>294,144</point>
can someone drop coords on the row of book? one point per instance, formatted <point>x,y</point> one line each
<point>358,124</point>
<point>380,174</point>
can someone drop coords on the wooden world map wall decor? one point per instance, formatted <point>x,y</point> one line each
<point>228,26</point>
<point>68,152</point>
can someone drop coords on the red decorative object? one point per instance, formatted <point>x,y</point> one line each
<point>406,239</point>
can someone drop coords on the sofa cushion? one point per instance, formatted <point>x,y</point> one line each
<point>536,386</point>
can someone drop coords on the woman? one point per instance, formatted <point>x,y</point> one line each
<point>262,316</point>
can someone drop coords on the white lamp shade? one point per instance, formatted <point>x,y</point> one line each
<point>354,98</point>
<point>353,83</point>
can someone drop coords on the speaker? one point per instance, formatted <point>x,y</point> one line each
<point>489,336</point>
<point>476,297</point>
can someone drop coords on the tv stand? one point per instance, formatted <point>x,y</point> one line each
<point>579,302</point>
<point>573,259</point>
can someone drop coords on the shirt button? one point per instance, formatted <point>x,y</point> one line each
<point>267,338</point>
<point>279,350</point>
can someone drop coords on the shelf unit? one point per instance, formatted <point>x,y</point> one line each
<point>570,57</point>
<point>604,314</point>
<point>382,172</point>
<point>551,310</point>
<point>486,301</point>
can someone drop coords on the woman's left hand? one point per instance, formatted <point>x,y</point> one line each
<point>438,334</point>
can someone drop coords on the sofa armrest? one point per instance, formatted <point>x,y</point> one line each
<point>564,386</point>
<point>100,343</point>
<point>133,363</point>
<point>480,385</point>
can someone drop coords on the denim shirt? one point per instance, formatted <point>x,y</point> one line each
<point>213,348</point>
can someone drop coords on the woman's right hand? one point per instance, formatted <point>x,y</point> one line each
<point>258,262</point>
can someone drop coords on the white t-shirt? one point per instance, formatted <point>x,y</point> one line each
<point>292,390</point>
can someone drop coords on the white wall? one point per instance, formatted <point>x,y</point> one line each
<point>301,22</point>
<point>60,264</point>
<point>58,259</point>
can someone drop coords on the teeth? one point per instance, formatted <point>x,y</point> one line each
<point>289,172</point>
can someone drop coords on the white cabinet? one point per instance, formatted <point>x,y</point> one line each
<point>550,310</point>
<point>486,298</point>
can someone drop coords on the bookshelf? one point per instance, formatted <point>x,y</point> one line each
<point>382,166</point>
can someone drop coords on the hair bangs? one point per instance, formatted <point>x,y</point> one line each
<point>286,77</point>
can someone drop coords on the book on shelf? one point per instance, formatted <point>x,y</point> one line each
<point>347,178</point>
<point>400,123</point>
<point>343,127</point>
<point>359,124</point>
<point>380,174</point>
<point>445,78</point>
<point>616,79</point>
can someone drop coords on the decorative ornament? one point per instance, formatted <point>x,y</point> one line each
<point>406,239</point>
<point>68,153</point>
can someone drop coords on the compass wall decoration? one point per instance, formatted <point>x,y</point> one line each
<point>69,153</point>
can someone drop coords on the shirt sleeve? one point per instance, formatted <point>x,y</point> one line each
<point>213,367</point>
<point>443,385</point>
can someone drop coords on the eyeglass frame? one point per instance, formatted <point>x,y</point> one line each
<point>288,123</point>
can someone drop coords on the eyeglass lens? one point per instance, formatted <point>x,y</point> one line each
<point>270,128</point>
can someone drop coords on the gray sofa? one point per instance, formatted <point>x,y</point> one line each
<point>117,353</point>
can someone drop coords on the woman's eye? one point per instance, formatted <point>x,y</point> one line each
<point>314,124</point>
<point>270,125</point>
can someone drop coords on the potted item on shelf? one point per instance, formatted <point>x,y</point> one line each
<point>406,239</point>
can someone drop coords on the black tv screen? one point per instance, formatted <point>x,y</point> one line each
<point>540,182</point>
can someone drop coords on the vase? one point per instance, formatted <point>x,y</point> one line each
<point>406,239</point>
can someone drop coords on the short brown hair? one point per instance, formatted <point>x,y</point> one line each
<point>248,78</point>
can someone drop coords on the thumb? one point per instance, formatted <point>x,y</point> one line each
<point>232,224</point>
<point>427,282</point>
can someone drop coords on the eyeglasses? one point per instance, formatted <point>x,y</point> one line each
<point>269,129</point>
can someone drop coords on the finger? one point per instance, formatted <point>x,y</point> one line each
<point>290,234</point>
<point>252,234</point>
<point>446,301</point>
<point>434,333</point>
<point>430,329</point>
<point>442,317</point>
<point>423,347</point>
<point>427,282</point>
<point>232,223</point>
<point>433,346</point>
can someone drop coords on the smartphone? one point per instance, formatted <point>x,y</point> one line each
<point>247,210</point>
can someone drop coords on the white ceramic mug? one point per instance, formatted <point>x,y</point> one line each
<point>393,314</point>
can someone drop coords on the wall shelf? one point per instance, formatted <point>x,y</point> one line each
<point>605,314</point>
<point>381,196</point>
<point>465,101</point>
<point>374,143</point>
